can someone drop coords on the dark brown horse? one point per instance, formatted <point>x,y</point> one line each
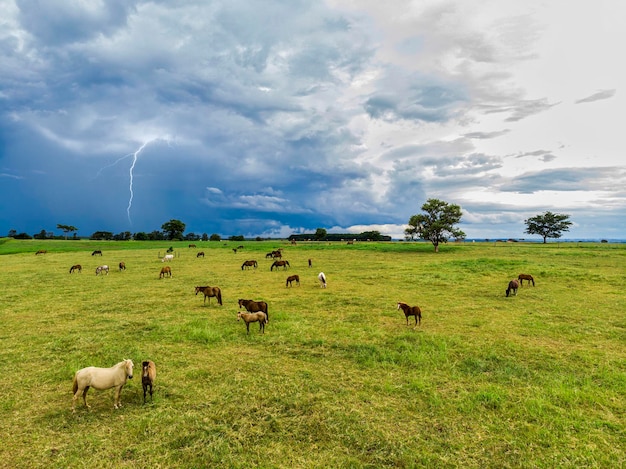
<point>411,311</point>
<point>522,277</point>
<point>97,252</point>
<point>277,264</point>
<point>76,267</point>
<point>41,251</point>
<point>249,264</point>
<point>122,266</point>
<point>255,306</point>
<point>209,292</point>
<point>513,285</point>
<point>292,278</point>
<point>148,375</point>
<point>200,254</point>
<point>165,272</point>
<point>192,245</point>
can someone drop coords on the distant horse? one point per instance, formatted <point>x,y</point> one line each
<point>513,285</point>
<point>100,379</point>
<point>41,251</point>
<point>209,292</point>
<point>249,264</point>
<point>411,311</point>
<point>200,254</point>
<point>259,317</point>
<point>322,278</point>
<point>292,278</point>
<point>167,257</point>
<point>97,252</point>
<point>166,271</point>
<point>148,375</point>
<point>122,266</point>
<point>192,245</point>
<point>76,267</point>
<point>277,264</point>
<point>310,263</point>
<point>254,306</point>
<point>102,269</point>
<point>522,277</point>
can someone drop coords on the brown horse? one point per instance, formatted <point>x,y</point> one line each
<point>277,264</point>
<point>259,317</point>
<point>166,271</point>
<point>192,245</point>
<point>209,292</point>
<point>97,252</point>
<point>122,266</point>
<point>148,375</point>
<point>41,251</point>
<point>292,278</point>
<point>200,254</point>
<point>249,264</point>
<point>254,306</point>
<point>76,267</point>
<point>513,285</point>
<point>411,311</point>
<point>522,277</point>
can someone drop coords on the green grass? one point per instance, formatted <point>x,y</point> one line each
<point>338,380</point>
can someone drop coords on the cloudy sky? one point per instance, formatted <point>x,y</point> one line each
<point>272,117</point>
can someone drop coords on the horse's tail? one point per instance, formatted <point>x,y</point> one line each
<point>267,314</point>
<point>219,296</point>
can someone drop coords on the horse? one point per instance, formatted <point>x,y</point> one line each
<point>513,285</point>
<point>101,379</point>
<point>522,277</point>
<point>102,268</point>
<point>97,252</point>
<point>277,264</point>
<point>192,245</point>
<point>322,278</point>
<point>249,264</point>
<point>254,306</point>
<point>122,266</point>
<point>167,257</point>
<point>77,267</point>
<point>259,317</point>
<point>148,375</point>
<point>41,251</point>
<point>310,263</point>
<point>165,271</point>
<point>209,292</point>
<point>292,278</point>
<point>200,254</point>
<point>411,311</point>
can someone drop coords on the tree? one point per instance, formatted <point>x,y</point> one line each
<point>437,224</point>
<point>67,229</point>
<point>173,229</point>
<point>320,234</point>
<point>215,237</point>
<point>548,225</point>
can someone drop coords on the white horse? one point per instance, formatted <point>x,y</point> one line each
<point>322,278</point>
<point>102,269</point>
<point>167,257</point>
<point>100,379</point>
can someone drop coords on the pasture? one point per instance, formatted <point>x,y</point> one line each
<point>338,379</point>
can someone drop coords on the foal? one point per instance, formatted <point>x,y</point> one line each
<point>259,317</point>
<point>148,375</point>
<point>292,278</point>
<point>411,311</point>
<point>166,271</point>
<point>513,286</point>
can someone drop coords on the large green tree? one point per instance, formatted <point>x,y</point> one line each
<point>173,229</point>
<point>320,234</point>
<point>436,224</point>
<point>548,225</point>
<point>67,229</point>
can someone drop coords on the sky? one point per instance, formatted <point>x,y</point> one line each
<point>267,118</point>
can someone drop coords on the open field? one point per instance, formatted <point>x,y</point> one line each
<point>338,379</point>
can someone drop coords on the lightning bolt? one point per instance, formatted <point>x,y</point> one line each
<point>135,155</point>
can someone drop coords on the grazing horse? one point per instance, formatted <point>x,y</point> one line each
<point>209,292</point>
<point>166,271</point>
<point>97,252</point>
<point>41,251</point>
<point>249,264</point>
<point>254,306</point>
<point>122,266</point>
<point>277,264</point>
<point>167,257</point>
<point>513,285</point>
<point>102,269</point>
<point>292,278</point>
<point>148,375</point>
<point>192,245</point>
<point>322,278</point>
<point>522,277</point>
<point>200,254</point>
<point>77,267</point>
<point>101,379</point>
<point>259,317</point>
<point>411,311</point>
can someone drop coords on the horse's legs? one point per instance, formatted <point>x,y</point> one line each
<point>117,401</point>
<point>85,396</point>
<point>248,327</point>
<point>145,388</point>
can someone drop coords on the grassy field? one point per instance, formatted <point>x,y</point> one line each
<point>338,379</point>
